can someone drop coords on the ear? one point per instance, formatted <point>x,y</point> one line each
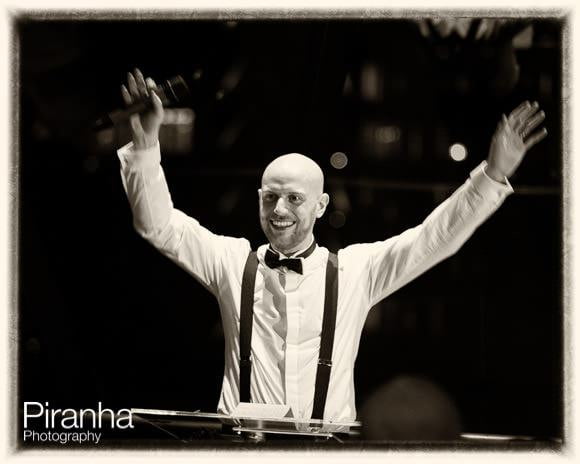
<point>260,195</point>
<point>322,204</point>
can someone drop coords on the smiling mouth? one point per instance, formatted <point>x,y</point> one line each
<point>281,225</point>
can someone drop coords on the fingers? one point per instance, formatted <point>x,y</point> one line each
<point>157,104</point>
<point>145,123</point>
<point>132,85</point>
<point>535,138</point>
<point>525,118</point>
<point>504,123</point>
<point>522,122</point>
<point>519,122</point>
<point>126,95</point>
<point>532,123</point>
<point>153,92</point>
<point>151,85</point>
<point>515,114</point>
<point>141,86</point>
<point>136,85</point>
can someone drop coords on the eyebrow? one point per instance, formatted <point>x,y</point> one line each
<point>291,192</point>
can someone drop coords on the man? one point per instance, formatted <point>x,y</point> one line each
<point>291,293</point>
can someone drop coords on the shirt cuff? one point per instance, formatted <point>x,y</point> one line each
<point>488,187</point>
<point>134,159</point>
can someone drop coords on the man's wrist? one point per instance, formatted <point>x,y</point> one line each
<point>495,174</point>
<point>145,144</point>
<point>486,186</point>
<point>133,158</point>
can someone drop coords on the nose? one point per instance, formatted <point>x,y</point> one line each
<point>280,208</point>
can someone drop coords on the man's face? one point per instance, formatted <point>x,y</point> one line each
<point>291,200</point>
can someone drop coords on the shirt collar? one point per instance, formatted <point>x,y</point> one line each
<point>296,253</point>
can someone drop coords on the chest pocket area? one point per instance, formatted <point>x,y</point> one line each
<point>270,305</point>
<point>310,307</point>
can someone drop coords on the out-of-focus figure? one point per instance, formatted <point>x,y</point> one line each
<point>410,409</point>
<point>482,49</point>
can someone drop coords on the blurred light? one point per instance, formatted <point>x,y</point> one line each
<point>347,88</point>
<point>380,141</point>
<point>525,38</point>
<point>370,79</point>
<point>457,152</point>
<point>197,74</point>
<point>338,160</point>
<point>106,137</point>
<point>232,77</point>
<point>387,134</point>
<point>337,219</point>
<point>219,95</point>
<point>176,132</point>
<point>444,27</point>
<point>486,29</point>
<point>230,134</point>
<point>178,116</point>
<point>169,116</point>
<point>340,199</point>
<point>184,116</point>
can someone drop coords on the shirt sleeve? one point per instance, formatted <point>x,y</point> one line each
<point>181,238</point>
<point>395,262</point>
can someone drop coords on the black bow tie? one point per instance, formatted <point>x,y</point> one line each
<point>272,259</point>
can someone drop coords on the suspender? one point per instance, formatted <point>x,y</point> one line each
<point>246,317</point>
<point>326,338</point>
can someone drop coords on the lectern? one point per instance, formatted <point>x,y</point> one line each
<point>240,426</point>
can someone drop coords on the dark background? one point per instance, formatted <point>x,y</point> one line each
<point>104,317</point>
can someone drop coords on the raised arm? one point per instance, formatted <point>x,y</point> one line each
<point>396,261</point>
<point>181,238</point>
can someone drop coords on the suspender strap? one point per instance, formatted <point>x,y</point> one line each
<point>246,318</point>
<point>326,338</point>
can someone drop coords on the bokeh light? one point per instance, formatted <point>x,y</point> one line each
<point>338,160</point>
<point>337,219</point>
<point>457,152</point>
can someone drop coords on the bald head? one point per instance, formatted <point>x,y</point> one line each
<point>291,199</point>
<point>295,167</point>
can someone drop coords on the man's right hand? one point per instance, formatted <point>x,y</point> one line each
<point>144,126</point>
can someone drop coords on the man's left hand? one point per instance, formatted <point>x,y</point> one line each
<point>514,136</point>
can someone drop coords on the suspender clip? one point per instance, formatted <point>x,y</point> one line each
<point>325,362</point>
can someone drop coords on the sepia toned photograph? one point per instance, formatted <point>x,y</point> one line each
<point>274,231</point>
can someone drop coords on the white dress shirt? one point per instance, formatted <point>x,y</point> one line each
<point>288,307</point>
